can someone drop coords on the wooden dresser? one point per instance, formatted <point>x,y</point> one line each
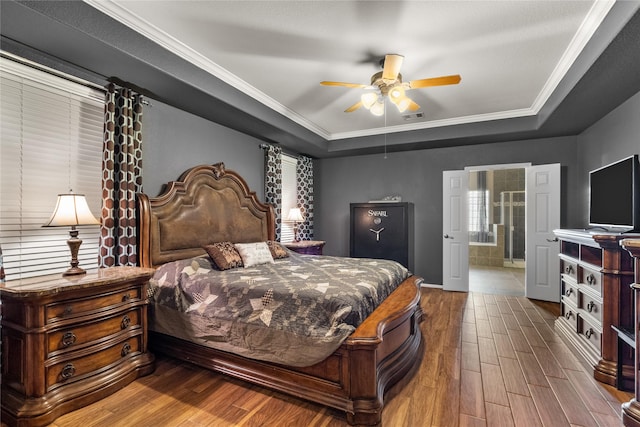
<point>596,274</point>
<point>631,409</point>
<point>70,341</point>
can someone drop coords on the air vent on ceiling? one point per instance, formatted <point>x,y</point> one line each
<point>413,116</point>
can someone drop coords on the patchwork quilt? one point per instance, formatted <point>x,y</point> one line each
<point>296,311</point>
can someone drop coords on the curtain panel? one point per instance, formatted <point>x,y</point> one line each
<point>304,184</point>
<point>121,177</point>
<point>273,183</point>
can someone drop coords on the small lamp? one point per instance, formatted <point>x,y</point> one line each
<point>71,210</point>
<point>295,215</point>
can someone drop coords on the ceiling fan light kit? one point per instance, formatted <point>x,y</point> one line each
<point>389,84</point>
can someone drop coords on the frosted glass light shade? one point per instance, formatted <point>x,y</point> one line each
<point>368,99</point>
<point>377,109</point>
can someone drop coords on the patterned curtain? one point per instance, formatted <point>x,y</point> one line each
<point>304,178</point>
<point>273,182</point>
<point>121,177</point>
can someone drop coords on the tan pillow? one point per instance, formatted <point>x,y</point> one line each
<point>224,255</point>
<point>254,253</point>
<point>277,251</point>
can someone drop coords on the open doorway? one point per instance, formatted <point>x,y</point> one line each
<point>496,223</point>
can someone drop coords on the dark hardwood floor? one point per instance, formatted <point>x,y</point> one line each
<point>489,360</point>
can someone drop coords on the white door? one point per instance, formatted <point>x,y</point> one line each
<point>542,217</point>
<point>455,238</point>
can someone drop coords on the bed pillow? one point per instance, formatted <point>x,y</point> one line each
<point>254,253</point>
<point>224,255</point>
<point>277,251</point>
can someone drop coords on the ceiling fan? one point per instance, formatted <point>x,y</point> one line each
<point>388,82</point>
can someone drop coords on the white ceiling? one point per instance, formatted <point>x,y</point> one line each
<point>511,54</point>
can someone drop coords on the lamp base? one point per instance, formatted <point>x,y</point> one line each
<point>74,245</point>
<point>74,271</point>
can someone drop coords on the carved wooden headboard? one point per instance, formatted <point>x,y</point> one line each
<point>206,204</point>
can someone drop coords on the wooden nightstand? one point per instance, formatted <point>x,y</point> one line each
<point>70,341</point>
<point>308,247</point>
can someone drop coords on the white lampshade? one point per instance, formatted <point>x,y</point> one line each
<point>71,210</point>
<point>403,104</point>
<point>396,94</point>
<point>295,215</point>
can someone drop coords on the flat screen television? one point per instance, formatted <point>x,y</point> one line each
<point>614,196</point>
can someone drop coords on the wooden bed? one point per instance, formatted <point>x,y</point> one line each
<point>382,350</point>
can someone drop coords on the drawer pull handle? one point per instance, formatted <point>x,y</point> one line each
<point>588,333</point>
<point>126,349</point>
<point>126,321</point>
<point>126,297</point>
<point>67,372</point>
<point>568,314</point>
<point>68,339</point>
<point>591,279</point>
<point>568,292</point>
<point>68,310</point>
<point>568,269</point>
<point>591,306</point>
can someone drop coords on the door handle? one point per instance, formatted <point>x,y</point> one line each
<point>555,239</point>
<point>446,236</point>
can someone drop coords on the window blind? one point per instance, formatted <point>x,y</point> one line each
<point>51,137</point>
<point>289,196</point>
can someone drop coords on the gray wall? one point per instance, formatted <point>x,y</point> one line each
<point>612,138</point>
<point>174,141</point>
<point>417,177</point>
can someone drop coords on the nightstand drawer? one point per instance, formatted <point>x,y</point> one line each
<point>73,308</point>
<point>66,370</point>
<point>78,336</point>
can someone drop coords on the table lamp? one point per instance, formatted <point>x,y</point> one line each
<point>295,215</point>
<point>71,210</point>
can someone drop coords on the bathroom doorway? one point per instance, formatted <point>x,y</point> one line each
<point>496,217</point>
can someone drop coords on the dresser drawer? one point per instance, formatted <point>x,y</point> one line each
<point>570,292</point>
<point>591,279</point>
<point>591,305</point>
<point>78,336</point>
<point>77,307</point>
<point>569,269</point>
<point>590,332</point>
<point>66,370</point>
<point>570,314</point>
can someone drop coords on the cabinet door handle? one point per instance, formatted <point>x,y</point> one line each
<point>568,315</point>
<point>126,321</point>
<point>588,333</point>
<point>568,269</point>
<point>568,292</point>
<point>591,306</point>
<point>126,349</point>
<point>591,279</point>
<point>69,338</point>
<point>68,371</point>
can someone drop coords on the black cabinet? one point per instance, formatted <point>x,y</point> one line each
<point>383,231</point>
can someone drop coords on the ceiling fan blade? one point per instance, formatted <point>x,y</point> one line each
<point>435,81</point>
<point>413,106</point>
<point>354,107</point>
<point>392,64</point>
<point>356,85</point>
